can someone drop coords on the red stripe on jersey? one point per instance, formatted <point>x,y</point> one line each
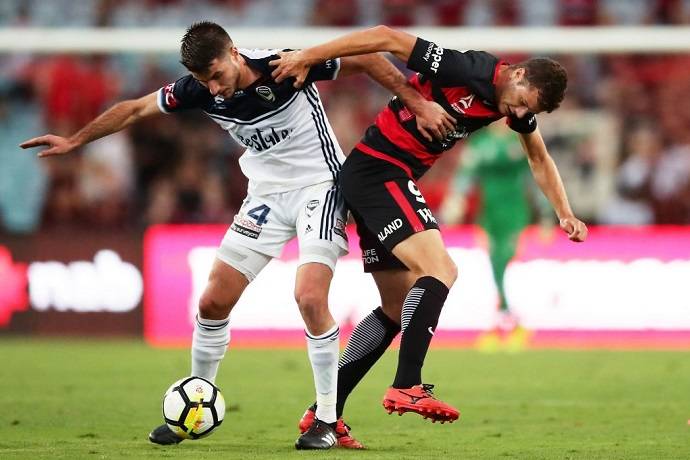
<point>423,88</point>
<point>382,156</point>
<point>406,208</point>
<point>390,127</point>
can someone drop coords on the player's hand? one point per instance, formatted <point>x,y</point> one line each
<point>56,145</point>
<point>290,64</point>
<point>575,228</point>
<point>433,121</point>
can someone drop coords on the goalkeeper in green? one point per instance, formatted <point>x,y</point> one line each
<point>493,162</point>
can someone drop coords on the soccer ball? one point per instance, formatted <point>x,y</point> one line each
<point>193,407</point>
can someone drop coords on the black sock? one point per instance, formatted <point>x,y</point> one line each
<point>420,313</point>
<point>366,345</point>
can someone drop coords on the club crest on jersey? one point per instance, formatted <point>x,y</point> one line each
<point>463,103</point>
<point>311,206</point>
<point>219,102</point>
<point>339,229</point>
<point>266,93</point>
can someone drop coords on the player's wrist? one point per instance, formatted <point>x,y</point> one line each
<point>74,142</point>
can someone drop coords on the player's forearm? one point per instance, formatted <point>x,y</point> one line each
<point>549,181</point>
<point>380,69</point>
<point>374,40</point>
<point>111,121</point>
<point>546,175</point>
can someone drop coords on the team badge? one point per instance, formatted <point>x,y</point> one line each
<point>339,229</point>
<point>266,93</point>
<point>311,206</point>
<point>219,102</point>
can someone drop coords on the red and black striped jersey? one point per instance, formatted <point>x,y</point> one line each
<point>463,83</point>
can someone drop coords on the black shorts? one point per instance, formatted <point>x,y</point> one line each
<point>386,205</point>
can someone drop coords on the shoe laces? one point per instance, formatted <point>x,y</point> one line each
<point>346,426</point>
<point>428,388</point>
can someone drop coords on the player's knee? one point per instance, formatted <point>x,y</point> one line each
<point>311,301</point>
<point>443,269</point>
<point>312,304</point>
<point>210,308</point>
<point>450,272</point>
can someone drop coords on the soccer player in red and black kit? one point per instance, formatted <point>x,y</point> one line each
<point>399,236</point>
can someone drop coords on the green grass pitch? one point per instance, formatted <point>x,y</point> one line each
<point>98,400</point>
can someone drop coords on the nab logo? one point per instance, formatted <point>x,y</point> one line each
<point>266,93</point>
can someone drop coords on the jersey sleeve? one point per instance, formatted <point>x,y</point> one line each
<point>184,94</point>
<point>524,125</point>
<point>327,70</point>
<point>451,67</point>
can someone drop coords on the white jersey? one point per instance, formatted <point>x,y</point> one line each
<point>289,142</point>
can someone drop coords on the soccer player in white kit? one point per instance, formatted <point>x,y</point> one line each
<point>292,160</point>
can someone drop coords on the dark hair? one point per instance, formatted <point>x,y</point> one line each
<point>202,43</point>
<point>550,79</point>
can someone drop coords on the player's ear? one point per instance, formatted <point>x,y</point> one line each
<point>518,75</point>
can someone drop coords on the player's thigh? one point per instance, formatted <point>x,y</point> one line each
<point>393,286</point>
<point>258,233</point>
<point>385,200</point>
<point>320,225</point>
<point>391,207</point>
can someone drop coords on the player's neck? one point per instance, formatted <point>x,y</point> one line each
<point>247,75</point>
<point>502,77</point>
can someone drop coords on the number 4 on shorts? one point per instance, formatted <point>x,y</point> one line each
<point>259,214</point>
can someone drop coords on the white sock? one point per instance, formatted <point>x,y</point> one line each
<point>210,340</point>
<point>323,354</point>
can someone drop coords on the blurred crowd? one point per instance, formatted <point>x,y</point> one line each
<point>621,138</point>
<point>296,13</point>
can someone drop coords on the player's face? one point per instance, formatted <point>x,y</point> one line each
<point>222,75</point>
<point>517,98</point>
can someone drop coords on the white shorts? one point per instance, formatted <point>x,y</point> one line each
<point>265,223</point>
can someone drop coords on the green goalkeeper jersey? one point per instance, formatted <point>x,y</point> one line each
<point>494,161</point>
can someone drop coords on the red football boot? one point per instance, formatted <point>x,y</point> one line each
<point>342,430</point>
<point>419,399</point>
<point>307,419</point>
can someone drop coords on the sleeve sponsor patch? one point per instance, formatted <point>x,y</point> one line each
<point>169,96</point>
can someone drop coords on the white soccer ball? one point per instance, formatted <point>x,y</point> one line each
<point>193,407</point>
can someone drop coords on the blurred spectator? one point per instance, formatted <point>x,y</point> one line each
<point>106,181</point>
<point>340,13</point>
<point>22,179</point>
<point>579,12</point>
<point>632,203</point>
<point>620,138</point>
